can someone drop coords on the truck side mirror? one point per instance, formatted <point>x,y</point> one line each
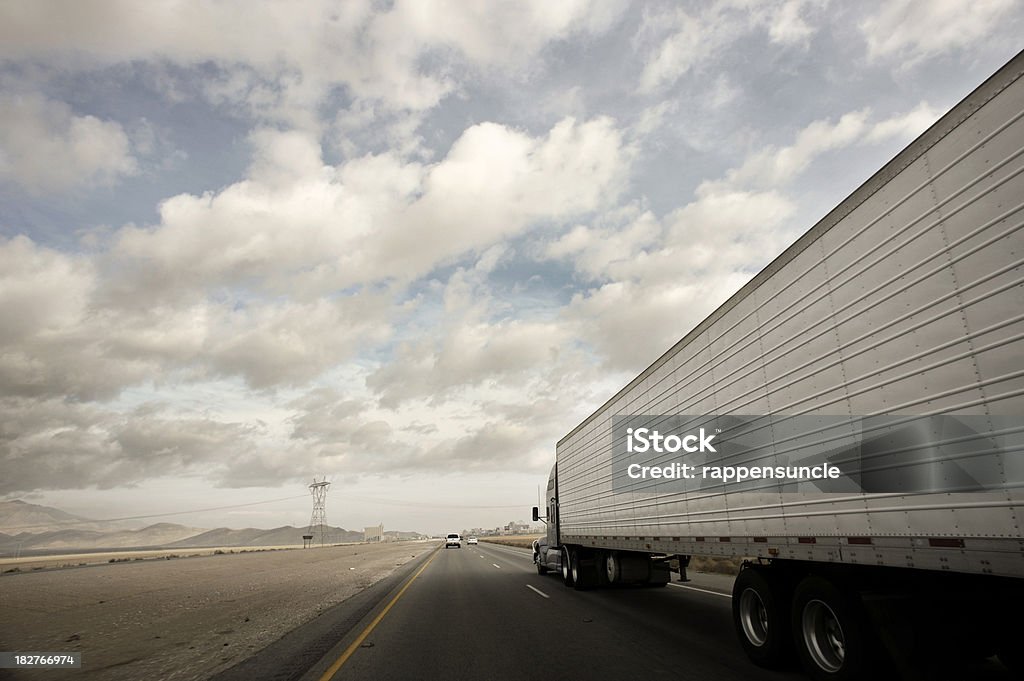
<point>536,514</point>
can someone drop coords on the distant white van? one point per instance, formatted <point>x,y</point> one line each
<point>453,539</point>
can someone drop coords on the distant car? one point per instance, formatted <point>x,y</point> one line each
<point>472,541</point>
<point>453,539</point>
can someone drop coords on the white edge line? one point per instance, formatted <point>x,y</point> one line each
<point>538,591</point>
<point>706,591</point>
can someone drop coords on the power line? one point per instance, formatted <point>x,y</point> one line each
<point>421,504</point>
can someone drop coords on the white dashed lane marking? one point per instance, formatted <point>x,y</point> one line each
<point>704,591</point>
<point>538,591</point>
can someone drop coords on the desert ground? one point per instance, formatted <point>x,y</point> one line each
<point>69,560</point>
<point>184,618</point>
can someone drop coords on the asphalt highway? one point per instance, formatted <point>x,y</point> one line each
<point>483,612</point>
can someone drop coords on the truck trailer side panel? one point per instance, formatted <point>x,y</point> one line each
<point>907,299</point>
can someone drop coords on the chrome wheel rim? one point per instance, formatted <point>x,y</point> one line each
<point>824,636</point>
<point>754,617</point>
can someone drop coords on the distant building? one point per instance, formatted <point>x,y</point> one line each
<point>514,527</point>
<point>374,533</point>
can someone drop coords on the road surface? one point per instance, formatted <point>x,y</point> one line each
<point>479,612</point>
<point>483,612</point>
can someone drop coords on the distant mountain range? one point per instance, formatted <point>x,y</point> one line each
<point>25,526</point>
<point>279,536</point>
<point>20,516</point>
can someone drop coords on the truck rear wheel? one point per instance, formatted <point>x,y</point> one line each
<point>584,572</point>
<point>829,632</point>
<point>566,568</point>
<point>760,614</point>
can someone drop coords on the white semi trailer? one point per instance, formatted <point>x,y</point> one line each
<point>886,343</point>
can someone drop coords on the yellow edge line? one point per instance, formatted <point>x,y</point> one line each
<point>333,669</point>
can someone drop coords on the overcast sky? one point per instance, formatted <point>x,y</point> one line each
<point>405,245</point>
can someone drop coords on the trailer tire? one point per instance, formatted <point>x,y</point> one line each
<point>612,573</point>
<point>584,575</point>
<point>760,615</point>
<point>829,632</point>
<point>600,573</point>
<point>566,567</point>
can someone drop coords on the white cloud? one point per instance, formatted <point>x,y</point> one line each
<point>41,291</point>
<point>905,127</point>
<point>774,166</point>
<point>788,25</point>
<point>653,290</point>
<point>303,227</point>
<point>470,354</point>
<point>492,33</point>
<point>912,30</point>
<point>59,444</point>
<point>48,341</point>
<point>690,41</point>
<point>653,118</point>
<point>686,40</point>
<point>63,338</point>
<point>474,346</point>
<point>600,252</point>
<point>723,92</point>
<point>280,62</point>
<point>45,147</point>
<point>664,276</point>
<point>290,343</point>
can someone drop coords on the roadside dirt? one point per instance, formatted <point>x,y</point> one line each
<point>186,618</point>
<point>10,565</point>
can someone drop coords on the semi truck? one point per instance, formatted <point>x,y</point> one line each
<point>848,426</point>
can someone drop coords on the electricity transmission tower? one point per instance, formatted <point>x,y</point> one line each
<point>318,523</point>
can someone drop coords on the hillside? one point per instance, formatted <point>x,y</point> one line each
<point>26,527</point>
<point>154,535</point>
<point>20,516</point>
<point>280,536</point>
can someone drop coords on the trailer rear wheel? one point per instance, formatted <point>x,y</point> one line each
<point>599,572</point>
<point>612,573</point>
<point>829,632</point>
<point>760,615</point>
<point>566,568</point>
